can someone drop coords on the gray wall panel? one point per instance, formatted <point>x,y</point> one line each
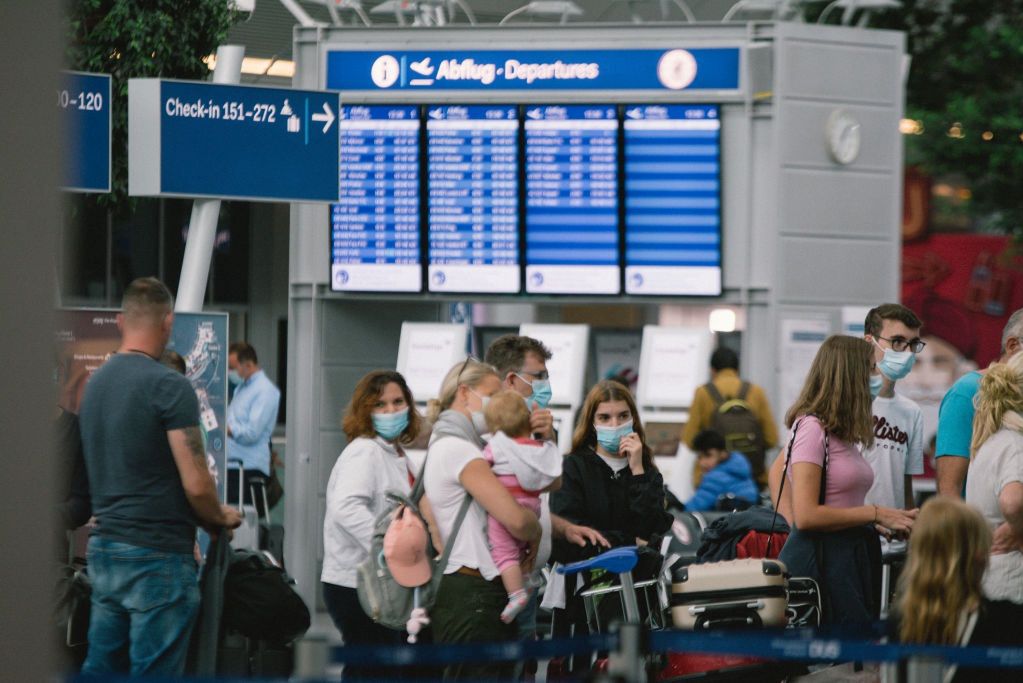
<point>834,270</point>
<point>858,73</point>
<point>763,206</point>
<point>804,143</point>
<point>832,202</point>
<point>336,386</point>
<point>331,445</point>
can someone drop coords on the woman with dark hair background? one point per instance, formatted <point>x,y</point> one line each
<point>379,419</point>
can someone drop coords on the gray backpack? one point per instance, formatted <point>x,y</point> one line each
<point>382,598</point>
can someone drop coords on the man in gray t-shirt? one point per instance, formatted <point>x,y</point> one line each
<point>150,488</point>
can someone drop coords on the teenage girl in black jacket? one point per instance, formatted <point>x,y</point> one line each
<point>609,483</point>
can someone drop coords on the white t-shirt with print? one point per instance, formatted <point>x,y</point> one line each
<point>898,449</point>
<point>446,459</point>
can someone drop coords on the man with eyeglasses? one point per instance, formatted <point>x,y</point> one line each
<point>955,423</point>
<point>898,450</point>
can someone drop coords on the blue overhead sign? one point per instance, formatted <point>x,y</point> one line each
<point>231,141</point>
<point>83,102</point>
<point>671,69</point>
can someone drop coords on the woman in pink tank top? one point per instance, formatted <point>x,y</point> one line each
<point>834,535</point>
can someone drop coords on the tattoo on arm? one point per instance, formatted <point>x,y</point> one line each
<point>193,437</point>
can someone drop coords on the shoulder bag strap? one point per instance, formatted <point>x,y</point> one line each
<point>715,395</point>
<point>743,391</point>
<point>442,563</point>
<point>824,469</point>
<point>785,473</point>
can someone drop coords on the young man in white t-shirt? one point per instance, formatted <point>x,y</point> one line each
<point>897,453</point>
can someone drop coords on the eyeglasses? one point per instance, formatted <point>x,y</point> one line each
<point>542,374</point>
<point>901,344</point>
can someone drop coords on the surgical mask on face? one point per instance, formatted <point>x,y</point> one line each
<point>234,378</point>
<point>609,438</point>
<point>876,382</point>
<point>479,421</point>
<point>390,425</point>
<point>896,364</point>
<point>542,393</point>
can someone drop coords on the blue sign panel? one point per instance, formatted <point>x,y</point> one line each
<point>248,142</point>
<point>572,200</point>
<point>715,69</point>
<point>84,106</point>
<point>375,224</point>
<point>473,223</point>
<point>672,200</point>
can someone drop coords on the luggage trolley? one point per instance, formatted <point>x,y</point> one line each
<point>674,666</point>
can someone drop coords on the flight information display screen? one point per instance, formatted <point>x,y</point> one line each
<point>375,225</point>
<point>571,161</point>
<point>672,200</point>
<point>473,198</point>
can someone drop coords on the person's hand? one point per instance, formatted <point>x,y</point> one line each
<point>632,447</point>
<point>898,522</point>
<point>232,517</point>
<point>1004,540</point>
<point>640,542</point>
<point>883,532</point>
<point>583,535</point>
<point>529,557</point>
<point>541,421</point>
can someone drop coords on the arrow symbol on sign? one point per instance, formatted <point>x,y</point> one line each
<point>327,115</point>
<point>634,113</point>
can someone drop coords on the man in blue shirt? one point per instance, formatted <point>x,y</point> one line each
<point>955,416</point>
<point>251,416</point>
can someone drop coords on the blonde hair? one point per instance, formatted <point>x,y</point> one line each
<point>837,390</point>
<point>948,554</point>
<point>470,373</point>
<point>1000,392</point>
<point>506,412</point>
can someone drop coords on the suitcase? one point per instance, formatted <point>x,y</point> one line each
<point>732,594</point>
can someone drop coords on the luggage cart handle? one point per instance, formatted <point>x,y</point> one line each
<point>617,561</point>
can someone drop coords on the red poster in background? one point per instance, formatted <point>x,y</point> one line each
<point>964,287</point>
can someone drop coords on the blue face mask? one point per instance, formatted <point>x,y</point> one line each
<point>876,382</point>
<point>542,393</point>
<point>234,378</point>
<point>896,364</point>
<point>610,437</point>
<point>389,426</point>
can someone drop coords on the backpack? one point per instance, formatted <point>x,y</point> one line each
<point>734,419</point>
<point>382,598</point>
<point>260,600</point>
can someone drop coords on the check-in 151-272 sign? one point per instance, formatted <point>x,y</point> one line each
<point>190,139</point>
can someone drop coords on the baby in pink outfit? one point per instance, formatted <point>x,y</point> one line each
<point>527,468</point>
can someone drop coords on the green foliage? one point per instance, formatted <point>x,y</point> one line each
<point>965,81</point>
<point>141,39</point>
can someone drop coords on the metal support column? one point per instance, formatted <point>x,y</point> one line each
<point>202,228</point>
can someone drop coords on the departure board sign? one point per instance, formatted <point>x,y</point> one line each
<point>700,69</point>
<point>375,224</point>
<point>472,224</point>
<point>572,200</point>
<point>672,200</point>
<point>84,103</point>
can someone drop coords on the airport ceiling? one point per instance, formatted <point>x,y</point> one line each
<point>267,32</point>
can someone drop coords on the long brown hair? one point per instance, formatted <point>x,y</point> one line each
<point>837,390</point>
<point>1001,392</point>
<point>358,416</point>
<point>585,436</point>
<point>948,554</point>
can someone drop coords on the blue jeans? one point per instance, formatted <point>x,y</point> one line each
<point>144,604</point>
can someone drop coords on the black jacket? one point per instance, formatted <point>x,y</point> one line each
<point>621,506</point>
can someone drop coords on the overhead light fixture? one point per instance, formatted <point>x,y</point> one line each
<point>850,7</point>
<point>546,8</point>
<point>425,12</point>
<point>665,4</point>
<point>259,66</point>
<point>722,320</point>
<point>355,6</point>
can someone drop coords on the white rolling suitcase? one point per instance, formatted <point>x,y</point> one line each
<point>748,593</point>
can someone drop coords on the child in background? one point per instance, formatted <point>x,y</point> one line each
<point>723,473</point>
<point>525,467</point>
